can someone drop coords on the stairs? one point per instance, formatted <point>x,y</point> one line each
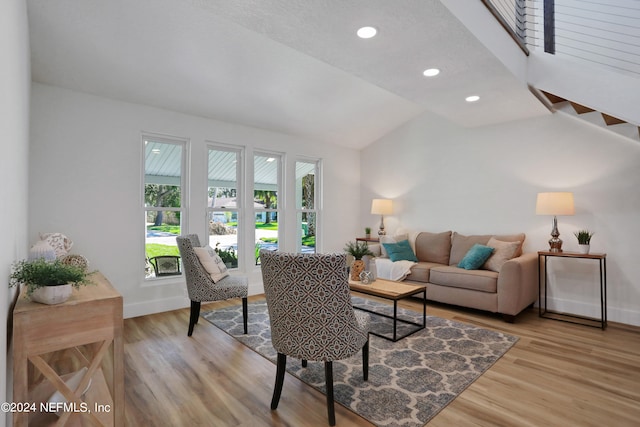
<point>598,118</point>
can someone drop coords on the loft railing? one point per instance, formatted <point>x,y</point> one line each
<point>511,14</point>
<point>602,32</point>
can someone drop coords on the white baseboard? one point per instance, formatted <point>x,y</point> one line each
<point>168,304</point>
<point>155,306</point>
<point>628,317</point>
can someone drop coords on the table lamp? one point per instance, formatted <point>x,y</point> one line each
<point>555,203</point>
<point>381,207</point>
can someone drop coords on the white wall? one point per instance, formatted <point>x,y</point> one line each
<point>86,183</point>
<point>485,180</point>
<point>15,80</point>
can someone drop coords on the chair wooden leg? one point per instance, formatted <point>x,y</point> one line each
<point>328,374</point>
<point>193,318</point>
<point>365,361</point>
<point>244,314</point>
<point>304,363</point>
<point>280,371</point>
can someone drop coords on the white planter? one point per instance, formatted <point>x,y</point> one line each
<point>584,249</point>
<point>52,294</point>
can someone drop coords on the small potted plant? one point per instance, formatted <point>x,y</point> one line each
<point>584,240</point>
<point>358,250</point>
<point>48,282</point>
<point>367,232</point>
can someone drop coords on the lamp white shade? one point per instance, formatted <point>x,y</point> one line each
<point>555,203</point>
<point>382,207</point>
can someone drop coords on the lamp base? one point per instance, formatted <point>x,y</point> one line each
<point>555,244</point>
<point>381,231</point>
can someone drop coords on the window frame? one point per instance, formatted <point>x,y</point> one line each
<point>240,190</point>
<point>316,201</point>
<point>184,144</point>
<point>279,158</point>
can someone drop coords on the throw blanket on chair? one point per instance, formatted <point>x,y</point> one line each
<point>390,270</point>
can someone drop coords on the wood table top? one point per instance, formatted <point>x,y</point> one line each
<point>386,288</point>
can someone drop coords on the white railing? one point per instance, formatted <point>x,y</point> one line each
<point>602,32</point>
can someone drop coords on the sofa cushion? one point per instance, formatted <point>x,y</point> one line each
<point>420,271</point>
<point>478,280</point>
<point>400,251</point>
<point>433,247</point>
<point>390,239</point>
<point>476,257</point>
<point>503,252</point>
<point>460,245</point>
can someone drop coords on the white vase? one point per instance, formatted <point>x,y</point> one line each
<point>42,249</point>
<point>52,294</point>
<point>584,249</point>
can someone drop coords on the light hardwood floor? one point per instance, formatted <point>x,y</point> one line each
<point>558,374</point>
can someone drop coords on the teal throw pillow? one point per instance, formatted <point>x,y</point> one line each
<point>400,251</point>
<point>476,256</point>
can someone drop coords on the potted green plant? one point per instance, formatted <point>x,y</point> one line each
<point>367,232</point>
<point>228,256</point>
<point>584,240</point>
<point>358,250</point>
<point>48,282</point>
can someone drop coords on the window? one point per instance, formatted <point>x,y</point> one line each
<point>224,202</point>
<point>164,203</point>
<point>266,203</point>
<point>306,205</point>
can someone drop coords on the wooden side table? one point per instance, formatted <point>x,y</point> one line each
<point>368,239</point>
<point>87,331</point>
<point>542,289</point>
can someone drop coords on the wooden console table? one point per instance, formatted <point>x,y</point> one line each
<point>84,331</point>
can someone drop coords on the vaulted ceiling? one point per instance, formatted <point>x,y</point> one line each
<point>291,66</point>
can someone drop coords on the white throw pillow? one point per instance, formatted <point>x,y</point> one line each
<point>60,243</point>
<point>212,263</point>
<point>503,252</point>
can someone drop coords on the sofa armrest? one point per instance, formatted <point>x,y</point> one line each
<point>518,284</point>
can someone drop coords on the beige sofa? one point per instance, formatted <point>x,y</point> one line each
<point>510,286</point>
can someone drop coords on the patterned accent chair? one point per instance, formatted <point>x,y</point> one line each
<point>200,286</point>
<point>311,314</point>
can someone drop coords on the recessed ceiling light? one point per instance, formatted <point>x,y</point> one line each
<point>472,98</point>
<point>366,32</point>
<point>431,72</point>
<point>270,159</point>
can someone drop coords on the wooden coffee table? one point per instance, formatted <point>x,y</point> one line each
<point>393,291</point>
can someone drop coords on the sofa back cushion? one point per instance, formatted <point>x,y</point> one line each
<point>460,244</point>
<point>434,247</point>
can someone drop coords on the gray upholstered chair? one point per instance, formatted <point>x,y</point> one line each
<point>201,287</point>
<point>311,314</point>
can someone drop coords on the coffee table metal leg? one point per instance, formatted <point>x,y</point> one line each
<point>395,319</point>
<point>424,308</point>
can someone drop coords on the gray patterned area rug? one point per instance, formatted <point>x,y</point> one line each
<point>410,381</point>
